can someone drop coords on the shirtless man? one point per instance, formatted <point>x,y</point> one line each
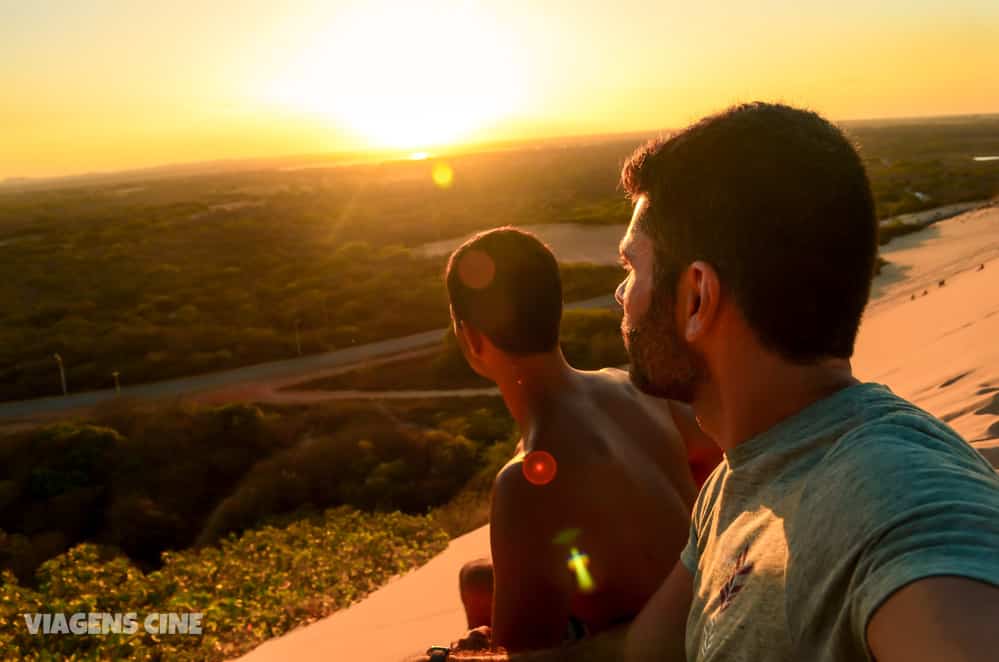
<point>592,512</point>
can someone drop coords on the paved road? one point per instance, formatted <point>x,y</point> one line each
<point>306,365</point>
<point>302,366</point>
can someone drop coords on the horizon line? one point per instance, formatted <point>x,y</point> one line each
<point>383,155</point>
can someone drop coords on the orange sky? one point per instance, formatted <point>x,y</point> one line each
<point>110,85</point>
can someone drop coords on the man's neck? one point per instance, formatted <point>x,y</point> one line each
<point>736,410</point>
<point>527,384</point>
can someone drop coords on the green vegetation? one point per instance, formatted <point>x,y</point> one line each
<point>889,231</point>
<point>248,589</point>
<point>581,281</point>
<point>469,508</point>
<point>168,311</point>
<point>591,339</point>
<point>264,518</point>
<point>175,304</point>
<point>219,510</point>
<point>183,276</point>
<point>146,479</point>
<point>173,277</point>
<point>931,158</point>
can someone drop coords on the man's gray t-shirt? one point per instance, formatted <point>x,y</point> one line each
<point>803,531</point>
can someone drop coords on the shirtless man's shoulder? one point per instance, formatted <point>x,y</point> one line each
<point>618,382</point>
<point>677,420</point>
<point>619,463</point>
<point>515,495</point>
<point>613,376</point>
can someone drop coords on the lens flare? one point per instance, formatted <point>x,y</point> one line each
<point>539,467</point>
<point>578,564</point>
<point>476,269</point>
<point>442,175</point>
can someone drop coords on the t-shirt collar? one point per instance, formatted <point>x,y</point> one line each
<point>798,426</point>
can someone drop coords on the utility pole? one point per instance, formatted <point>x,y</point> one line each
<point>62,372</point>
<point>117,386</point>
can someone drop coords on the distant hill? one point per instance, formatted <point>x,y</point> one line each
<point>171,170</point>
<point>293,162</point>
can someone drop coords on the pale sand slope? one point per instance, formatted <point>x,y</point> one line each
<point>941,350</point>
<point>917,348</point>
<point>404,617</point>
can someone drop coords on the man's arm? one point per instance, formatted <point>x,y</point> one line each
<point>659,630</point>
<point>532,586</point>
<point>938,618</point>
<point>916,512</point>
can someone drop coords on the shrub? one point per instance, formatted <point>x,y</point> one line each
<point>183,475</point>
<point>469,509</point>
<point>403,469</point>
<point>250,588</point>
<point>591,339</point>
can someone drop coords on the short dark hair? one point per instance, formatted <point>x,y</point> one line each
<point>776,199</point>
<point>518,303</point>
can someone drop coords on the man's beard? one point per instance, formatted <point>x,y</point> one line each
<point>662,363</point>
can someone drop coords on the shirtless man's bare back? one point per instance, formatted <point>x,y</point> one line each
<point>592,513</point>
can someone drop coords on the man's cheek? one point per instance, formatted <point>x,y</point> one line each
<point>627,324</point>
<point>637,300</point>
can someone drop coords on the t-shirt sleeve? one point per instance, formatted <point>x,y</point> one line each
<point>689,557</point>
<point>918,504</point>
<point>700,517</point>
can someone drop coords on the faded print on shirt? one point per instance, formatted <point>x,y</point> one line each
<point>733,593</point>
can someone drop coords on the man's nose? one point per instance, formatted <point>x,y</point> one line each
<point>619,294</point>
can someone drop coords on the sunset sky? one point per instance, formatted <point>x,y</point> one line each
<point>104,85</point>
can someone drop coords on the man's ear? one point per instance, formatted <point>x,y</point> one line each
<point>699,300</point>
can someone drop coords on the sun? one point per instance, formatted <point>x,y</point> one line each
<point>407,75</point>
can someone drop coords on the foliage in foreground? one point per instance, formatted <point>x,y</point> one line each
<point>248,589</point>
<point>149,478</point>
<point>469,508</point>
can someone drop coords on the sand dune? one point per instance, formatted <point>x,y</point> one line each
<point>940,349</point>
<point>406,616</point>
